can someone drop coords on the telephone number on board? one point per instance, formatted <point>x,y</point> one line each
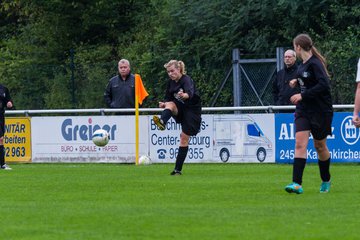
<point>15,151</point>
<point>287,154</point>
<point>193,153</point>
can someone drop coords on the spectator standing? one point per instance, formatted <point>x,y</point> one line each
<point>120,91</point>
<point>281,88</point>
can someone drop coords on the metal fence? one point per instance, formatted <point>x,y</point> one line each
<point>252,80</point>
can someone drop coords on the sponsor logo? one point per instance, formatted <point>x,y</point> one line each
<point>74,132</point>
<point>349,133</point>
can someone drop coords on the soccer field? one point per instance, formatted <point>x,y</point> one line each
<point>209,201</point>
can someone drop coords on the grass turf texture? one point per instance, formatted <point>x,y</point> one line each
<point>209,201</point>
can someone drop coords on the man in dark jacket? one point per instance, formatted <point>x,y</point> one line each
<point>120,91</point>
<point>5,102</point>
<point>281,89</point>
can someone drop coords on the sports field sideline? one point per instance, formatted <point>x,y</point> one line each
<point>209,201</point>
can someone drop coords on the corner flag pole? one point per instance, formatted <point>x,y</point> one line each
<point>136,126</point>
<point>140,95</point>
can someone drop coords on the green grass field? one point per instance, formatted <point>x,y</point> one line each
<point>209,201</point>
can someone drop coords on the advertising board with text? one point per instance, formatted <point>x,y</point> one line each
<point>164,144</point>
<point>17,140</point>
<point>344,144</point>
<point>223,138</point>
<point>68,139</point>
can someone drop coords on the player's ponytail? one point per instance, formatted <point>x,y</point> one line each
<point>321,58</point>
<point>182,67</point>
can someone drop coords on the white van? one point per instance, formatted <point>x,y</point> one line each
<point>239,138</point>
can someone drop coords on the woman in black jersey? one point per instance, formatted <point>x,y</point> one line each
<point>313,113</point>
<point>5,102</point>
<point>183,103</point>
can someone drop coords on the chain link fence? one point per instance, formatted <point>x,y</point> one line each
<point>253,78</point>
<point>256,79</point>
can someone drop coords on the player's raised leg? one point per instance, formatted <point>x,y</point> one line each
<point>169,111</point>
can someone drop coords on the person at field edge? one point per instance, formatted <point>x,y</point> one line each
<point>281,89</point>
<point>5,102</point>
<point>120,90</point>
<point>356,118</point>
<point>313,114</point>
<point>182,102</point>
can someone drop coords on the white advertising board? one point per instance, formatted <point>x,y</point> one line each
<point>223,138</point>
<point>244,138</point>
<point>164,144</point>
<point>68,139</point>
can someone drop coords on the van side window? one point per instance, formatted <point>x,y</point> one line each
<point>252,130</point>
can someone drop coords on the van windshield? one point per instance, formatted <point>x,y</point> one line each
<point>254,130</point>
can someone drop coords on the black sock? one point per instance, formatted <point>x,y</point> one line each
<point>324,167</point>
<point>181,158</point>
<point>298,169</point>
<point>166,115</point>
<point>2,155</point>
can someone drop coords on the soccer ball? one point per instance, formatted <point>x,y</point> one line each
<point>100,137</point>
<point>144,160</point>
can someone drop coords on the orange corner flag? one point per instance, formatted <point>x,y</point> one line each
<point>140,90</point>
<point>140,95</point>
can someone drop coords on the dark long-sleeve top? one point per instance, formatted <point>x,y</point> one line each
<point>187,85</point>
<point>120,93</point>
<point>315,87</point>
<point>4,98</point>
<point>281,89</point>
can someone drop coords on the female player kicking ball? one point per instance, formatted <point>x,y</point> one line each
<point>183,103</point>
<point>313,112</point>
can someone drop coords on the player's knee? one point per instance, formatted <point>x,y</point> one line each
<point>170,105</point>
<point>320,147</point>
<point>184,139</point>
<point>300,146</point>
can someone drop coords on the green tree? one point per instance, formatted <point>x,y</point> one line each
<point>37,37</point>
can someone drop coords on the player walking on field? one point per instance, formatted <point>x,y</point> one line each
<point>313,114</point>
<point>183,103</point>
<point>5,102</point>
<point>356,117</point>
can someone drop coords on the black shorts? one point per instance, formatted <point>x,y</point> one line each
<point>189,117</point>
<point>318,123</point>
